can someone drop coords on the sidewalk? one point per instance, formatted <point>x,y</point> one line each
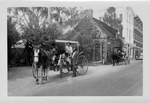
<point>96,63</point>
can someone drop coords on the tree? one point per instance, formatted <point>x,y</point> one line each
<point>111,19</point>
<point>12,33</point>
<point>12,36</point>
<point>29,21</point>
<point>45,23</point>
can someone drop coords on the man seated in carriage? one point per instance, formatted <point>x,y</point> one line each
<point>71,57</point>
<point>69,51</point>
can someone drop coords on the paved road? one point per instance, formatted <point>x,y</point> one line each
<point>102,80</point>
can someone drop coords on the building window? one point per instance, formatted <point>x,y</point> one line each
<point>130,35</point>
<point>127,16</point>
<point>121,17</point>
<point>139,39</point>
<point>127,33</point>
<point>100,18</point>
<point>129,19</point>
<point>135,37</point>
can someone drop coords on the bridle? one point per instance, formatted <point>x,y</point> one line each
<point>36,54</point>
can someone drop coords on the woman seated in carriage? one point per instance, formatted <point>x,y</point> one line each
<point>56,54</point>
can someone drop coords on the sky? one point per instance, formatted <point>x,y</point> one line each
<point>140,8</point>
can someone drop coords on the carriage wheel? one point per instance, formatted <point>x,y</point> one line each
<point>82,66</point>
<point>34,71</point>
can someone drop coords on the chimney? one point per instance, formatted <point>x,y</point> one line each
<point>100,18</point>
<point>89,12</point>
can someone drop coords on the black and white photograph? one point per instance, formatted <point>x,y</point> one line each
<point>76,49</point>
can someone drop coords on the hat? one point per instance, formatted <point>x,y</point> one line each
<point>69,43</point>
<point>53,44</point>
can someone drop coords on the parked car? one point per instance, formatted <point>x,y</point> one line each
<point>139,57</point>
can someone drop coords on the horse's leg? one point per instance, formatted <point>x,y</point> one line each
<point>113,61</point>
<point>36,75</point>
<point>41,74</point>
<point>117,60</point>
<point>125,61</point>
<point>68,65</point>
<point>46,73</point>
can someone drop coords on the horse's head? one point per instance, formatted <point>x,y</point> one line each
<point>36,51</point>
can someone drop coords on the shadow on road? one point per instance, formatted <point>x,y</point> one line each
<point>99,64</point>
<point>56,78</point>
<point>121,63</point>
<point>19,72</point>
<point>23,72</point>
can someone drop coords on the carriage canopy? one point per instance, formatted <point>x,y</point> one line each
<point>61,44</point>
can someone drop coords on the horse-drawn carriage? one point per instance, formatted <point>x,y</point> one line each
<point>46,59</point>
<point>119,55</point>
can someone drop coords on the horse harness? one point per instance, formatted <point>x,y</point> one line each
<point>36,59</point>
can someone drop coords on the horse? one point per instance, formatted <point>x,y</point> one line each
<point>118,57</point>
<point>115,57</point>
<point>29,51</point>
<point>42,60</point>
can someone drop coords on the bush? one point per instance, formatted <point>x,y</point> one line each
<point>15,55</point>
<point>12,36</point>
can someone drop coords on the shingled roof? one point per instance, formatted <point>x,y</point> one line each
<point>107,29</point>
<point>83,24</point>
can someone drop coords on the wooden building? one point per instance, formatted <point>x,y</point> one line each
<point>96,37</point>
